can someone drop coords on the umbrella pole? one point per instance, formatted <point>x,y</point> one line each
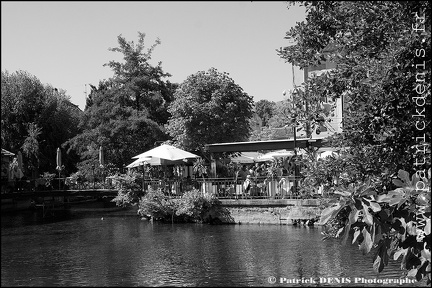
<point>59,178</point>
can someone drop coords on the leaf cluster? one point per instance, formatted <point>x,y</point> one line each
<point>396,223</point>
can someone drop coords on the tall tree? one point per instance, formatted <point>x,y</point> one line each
<point>383,74</point>
<point>143,82</point>
<point>113,122</point>
<point>126,113</point>
<point>209,107</point>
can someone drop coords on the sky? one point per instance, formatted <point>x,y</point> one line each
<point>65,43</point>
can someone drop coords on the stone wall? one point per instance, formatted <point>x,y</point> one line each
<point>272,215</point>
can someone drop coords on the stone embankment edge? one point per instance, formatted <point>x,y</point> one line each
<point>277,212</point>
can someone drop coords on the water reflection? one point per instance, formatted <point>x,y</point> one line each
<point>125,251</point>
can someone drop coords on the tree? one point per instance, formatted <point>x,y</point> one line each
<point>126,113</point>
<point>31,147</point>
<point>22,100</point>
<point>280,124</point>
<point>141,81</point>
<point>209,107</point>
<point>112,122</point>
<point>265,110</point>
<point>33,113</point>
<point>381,72</point>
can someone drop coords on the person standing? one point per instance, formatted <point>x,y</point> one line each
<point>247,186</point>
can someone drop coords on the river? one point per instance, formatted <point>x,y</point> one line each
<point>119,249</point>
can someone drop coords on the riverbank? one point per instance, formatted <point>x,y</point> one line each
<point>271,211</point>
<point>272,215</point>
<point>241,211</point>
<point>267,215</point>
<point>45,204</point>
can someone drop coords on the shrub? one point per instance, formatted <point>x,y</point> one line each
<point>155,204</point>
<point>193,206</point>
<point>129,190</point>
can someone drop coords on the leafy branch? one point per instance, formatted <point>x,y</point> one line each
<point>394,223</point>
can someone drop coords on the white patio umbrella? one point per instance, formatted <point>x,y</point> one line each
<point>58,160</point>
<point>167,152</point>
<point>327,154</point>
<point>101,157</point>
<point>144,160</point>
<point>243,158</point>
<point>59,163</point>
<point>20,165</point>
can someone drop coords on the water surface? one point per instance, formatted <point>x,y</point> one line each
<point>116,249</point>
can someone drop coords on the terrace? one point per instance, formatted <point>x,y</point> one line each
<point>282,186</point>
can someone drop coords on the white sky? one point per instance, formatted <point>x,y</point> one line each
<point>65,44</point>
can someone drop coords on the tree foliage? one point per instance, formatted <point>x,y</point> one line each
<point>142,82</point>
<point>129,189</point>
<point>209,107</point>
<point>380,68</point>
<point>280,124</point>
<point>126,113</point>
<point>36,119</point>
<point>382,75</point>
<point>265,110</point>
<point>30,146</point>
<point>393,224</point>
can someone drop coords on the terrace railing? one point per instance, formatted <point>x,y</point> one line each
<point>260,188</point>
<point>229,188</point>
<point>222,188</point>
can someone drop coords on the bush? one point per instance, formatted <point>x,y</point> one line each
<point>193,207</point>
<point>129,190</point>
<point>156,205</point>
